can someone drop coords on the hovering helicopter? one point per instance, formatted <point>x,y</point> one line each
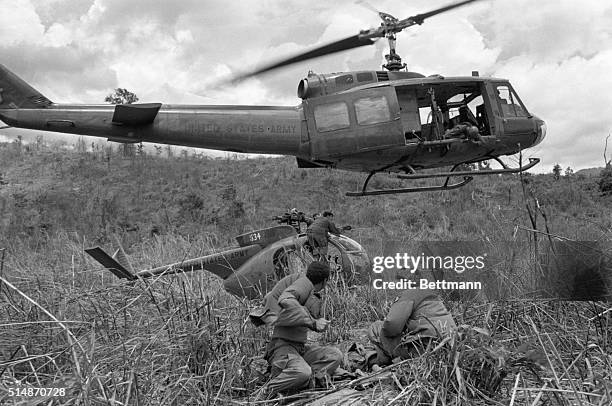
<point>262,258</point>
<point>371,121</point>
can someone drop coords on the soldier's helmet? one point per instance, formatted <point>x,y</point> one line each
<point>294,211</point>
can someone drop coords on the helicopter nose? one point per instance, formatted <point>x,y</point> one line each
<point>541,132</point>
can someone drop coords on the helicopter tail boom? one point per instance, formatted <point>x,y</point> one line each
<point>15,93</point>
<point>221,264</point>
<point>246,129</point>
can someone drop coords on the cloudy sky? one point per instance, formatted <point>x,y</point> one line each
<point>557,54</point>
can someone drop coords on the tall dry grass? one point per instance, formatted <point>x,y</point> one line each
<point>182,340</point>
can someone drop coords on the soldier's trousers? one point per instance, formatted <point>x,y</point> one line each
<point>388,349</point>
<point>318,243</point>
<point>293,364</point>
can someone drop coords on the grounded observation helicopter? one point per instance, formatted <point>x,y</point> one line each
<point>262,258</point>
<point>370,121</point>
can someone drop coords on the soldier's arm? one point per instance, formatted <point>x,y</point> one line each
<point>398,316</point>
<point>333,229</point>
<point>306,220</point>
<point>314,304</point>
<point>293,313</point>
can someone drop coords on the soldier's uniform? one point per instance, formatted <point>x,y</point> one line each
<point>412,322</point>
<point>269,312</point>
<point>292,362</point>
<point>317,234</point>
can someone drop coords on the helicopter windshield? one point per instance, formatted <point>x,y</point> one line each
<point>347,244</point>
<point>510,104</point>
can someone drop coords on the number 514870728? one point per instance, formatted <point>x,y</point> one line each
<point>32,391</point>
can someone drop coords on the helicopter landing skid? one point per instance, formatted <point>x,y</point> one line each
<point>479,172</point>
<point>445,186</point>
<point>467,178</point>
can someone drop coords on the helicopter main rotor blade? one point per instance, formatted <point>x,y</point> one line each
<point>342,45</point>
<point>363,38</point>
<point>419,18</point>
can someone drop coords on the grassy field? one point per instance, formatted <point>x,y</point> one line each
<point>64,322</point>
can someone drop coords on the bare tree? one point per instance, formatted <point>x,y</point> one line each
<point>605,177</point>
<point>607,162</point>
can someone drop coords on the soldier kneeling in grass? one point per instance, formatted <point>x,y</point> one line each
<point>416,319</point>
<point>298,309</point>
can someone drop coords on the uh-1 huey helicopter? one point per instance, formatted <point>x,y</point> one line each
<point>370,121</point>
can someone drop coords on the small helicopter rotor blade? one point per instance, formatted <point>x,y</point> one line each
<point>419,18</point>
<point>341,45</point>
<point>367,5</point>
<point>387,18</point>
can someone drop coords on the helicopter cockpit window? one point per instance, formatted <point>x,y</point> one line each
<point>365,77</point>
<point>348,245</point>
<point>510,104</point>
<point>372,110</point>
<point>332,116</point>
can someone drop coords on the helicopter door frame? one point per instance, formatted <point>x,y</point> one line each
<point>353,122</point>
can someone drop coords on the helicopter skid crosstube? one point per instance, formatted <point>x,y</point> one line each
<point>467,178</point>
<point>445,186</point>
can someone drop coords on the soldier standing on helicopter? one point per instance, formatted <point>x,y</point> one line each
<point>317,234</point>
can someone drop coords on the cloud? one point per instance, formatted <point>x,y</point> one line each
<point>25,29</point>
<point>550,30</point>
<point>557,54</point>
<point>569,96</point>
